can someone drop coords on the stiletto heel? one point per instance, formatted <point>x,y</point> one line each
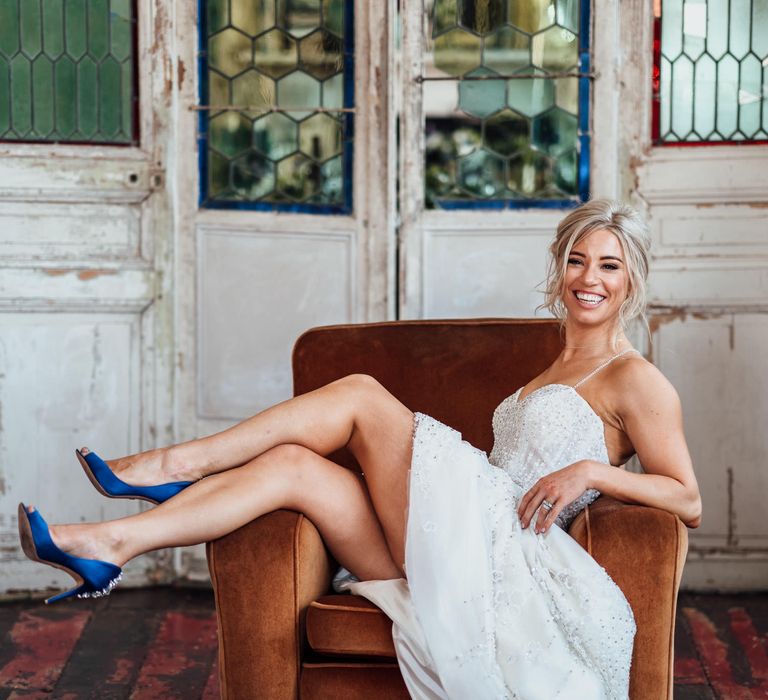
<point>95,578</point>
<point>105,481</point>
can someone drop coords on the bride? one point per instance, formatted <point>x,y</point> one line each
<point>468,554</point>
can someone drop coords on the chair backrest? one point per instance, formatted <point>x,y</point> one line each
<point>457,371</point>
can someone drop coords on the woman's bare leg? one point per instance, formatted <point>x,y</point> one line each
<point>287,476</point>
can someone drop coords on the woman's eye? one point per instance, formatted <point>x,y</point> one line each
<point>574,261</point>
<point>611,266</point>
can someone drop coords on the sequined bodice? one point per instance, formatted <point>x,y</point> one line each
<point>549,429</point>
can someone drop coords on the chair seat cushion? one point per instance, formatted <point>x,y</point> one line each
<point>349,625</point>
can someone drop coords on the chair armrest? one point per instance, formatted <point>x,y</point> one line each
<point>264,576</point>
<point>643,550</point>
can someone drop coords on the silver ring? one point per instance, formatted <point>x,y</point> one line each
<point>546,504</point>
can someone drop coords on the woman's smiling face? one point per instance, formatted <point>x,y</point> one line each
<point>596,280</point>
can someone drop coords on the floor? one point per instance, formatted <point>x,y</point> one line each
<point>161,644</point>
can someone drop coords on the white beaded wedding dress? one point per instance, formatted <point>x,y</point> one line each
<point>490,610</point>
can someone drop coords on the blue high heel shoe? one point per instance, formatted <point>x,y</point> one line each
<point>95,578</point>
<point>105,481</point>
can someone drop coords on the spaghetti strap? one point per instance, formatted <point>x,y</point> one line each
<point>602,366</point>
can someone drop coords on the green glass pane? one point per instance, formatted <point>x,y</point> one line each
<point>507,51</point>
<point>320,54</point>
<point>53,27</point>
<point>531,16</point>
<point>253,89</point>
<point>481,97</point>
<point>566,171</point>
<point>482,16</point>
<point>507,133</point>
<point>218,173</point>
<point>568,14</point>
<point>296,92</point>
<point>218,89</point>
<point>530,96</point>
<point>230,133</point>
<point>556,49</point>
<point>555,132</point>
<point>87,101</point>
<point>65,91</point>
<point>529,173</point>
<point>333,91</point>
<point>75,25</point>
<point>444,16</point>
<point>298,177</point>
<point>739,35</point>
<point>759,25</point>
<point>253,16</point>
<point>682,105</point>
<point>5,97</point>
<point>672,28</point>
<point>230,52</point>
<point>481,174</point>
<point>320,137</point>
<point>275,53</point>
<point>457,52</point>
<point>30,28</point>
<point>276,135</point>
<point>253,176</point>
<point>98,28</point>
<point>727,96</point>
<point>109,98</point>
<point>333,16</point>
<point>121,29</point>
<point>298,17</point>
<point>750,97</point>
<point>42,96</point>
<point>567,94</point>
<point>128,99</point>
<point>332,181</point>
<point>705,97</point>
<point>218,14</point>
<point>21,95</point>
<point>9,27</point>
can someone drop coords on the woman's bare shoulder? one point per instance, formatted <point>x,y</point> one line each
<point>638,384</point>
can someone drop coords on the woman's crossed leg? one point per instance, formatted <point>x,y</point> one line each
<point>275,460</point>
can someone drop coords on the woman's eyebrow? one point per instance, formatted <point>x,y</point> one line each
<point>602,257</point>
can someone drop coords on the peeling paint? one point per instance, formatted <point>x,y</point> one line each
<point>670,315</point>
<point>55,271</point>
<point>86,275</point>
<point>732,538</point>
<point>181,71</point>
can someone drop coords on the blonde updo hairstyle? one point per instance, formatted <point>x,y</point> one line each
<point>627,225</point>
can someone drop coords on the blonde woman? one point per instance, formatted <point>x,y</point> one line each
<point>499,601</point>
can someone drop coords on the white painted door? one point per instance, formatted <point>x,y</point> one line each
<point>86,300</point>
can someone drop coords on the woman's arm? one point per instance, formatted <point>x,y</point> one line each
<point>648,408</point>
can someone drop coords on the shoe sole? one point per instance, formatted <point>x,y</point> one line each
<point>29,548</point>
<point>92,478</point>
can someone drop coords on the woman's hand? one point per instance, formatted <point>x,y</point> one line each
<point>558,488</point>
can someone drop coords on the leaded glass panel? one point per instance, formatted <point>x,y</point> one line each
<point>277,102</point>
<point>710,71</point>
<point>505,91</point>
<point>68,71</point>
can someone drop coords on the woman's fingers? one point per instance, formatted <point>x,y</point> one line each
<point>547,516</point>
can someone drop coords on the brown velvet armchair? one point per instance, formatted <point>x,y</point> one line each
<point>282,634</point>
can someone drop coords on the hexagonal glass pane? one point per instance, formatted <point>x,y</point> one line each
<point>333,16</point>
<point>230,133</point>
<point>218,173</point>
<point>567,94</point>
<point>333,91</point>
<point>507,51</point>
<point>298,177</point>
<point>555,132</point>
<point>457,52</point>
<point>253,176</point>
<point>320,54</point>
<point>230,52</point>
<point>253,89</point>
<point>320,137</point>
<point>566,172</point>
<point>531,16</point>
<point>332,181</point>
<point>275,53</point>
<point>275,135</point>
<point>556,49</point>
<point>482,16</point>
<point>529,173</point>
<point>254,16</point>
<point>530,96</point>
<point>481,173</point>
<point>298,17</point>
<point>218,89</point>
<point>507,133</point>
<point>444,16</point>
<point>481,97</point>
<point>296,92</point>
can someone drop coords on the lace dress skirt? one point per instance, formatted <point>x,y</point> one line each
<point>490,610</point>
